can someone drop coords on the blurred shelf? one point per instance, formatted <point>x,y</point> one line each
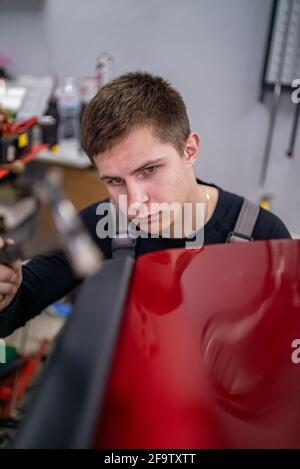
<point>68,154</point>
<point>33,154</point>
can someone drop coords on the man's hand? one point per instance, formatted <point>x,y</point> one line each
<point>10,279</point>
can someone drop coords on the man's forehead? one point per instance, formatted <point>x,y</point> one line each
<point>132,153</point>
<point>136,141</point>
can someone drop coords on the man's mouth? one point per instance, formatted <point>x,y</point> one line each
<point>150,217</point>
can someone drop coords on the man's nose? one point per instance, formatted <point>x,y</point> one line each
<point>137,196</point>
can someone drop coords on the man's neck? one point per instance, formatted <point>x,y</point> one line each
<point>206,195</point>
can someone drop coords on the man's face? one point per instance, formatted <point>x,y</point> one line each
<point>148,172</point>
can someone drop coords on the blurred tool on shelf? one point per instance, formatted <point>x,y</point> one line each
<point>29,190</point>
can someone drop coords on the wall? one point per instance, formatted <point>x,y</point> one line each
<point>211,51</point>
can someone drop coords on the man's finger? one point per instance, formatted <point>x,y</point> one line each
<point>7,289</point>
<point>7,274</point>
<point>16,266</point>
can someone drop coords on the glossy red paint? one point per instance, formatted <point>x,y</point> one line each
<point>204,354</point>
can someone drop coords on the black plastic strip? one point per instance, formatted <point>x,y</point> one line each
<point>63,413</point>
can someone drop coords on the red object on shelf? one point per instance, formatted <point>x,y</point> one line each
<point>26,158</point>
<point>24,125</point>
<point>205,354</point>
<point>17,384</point>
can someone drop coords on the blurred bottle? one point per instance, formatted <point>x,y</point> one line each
<point>69,108</point>
<point>105,68</point>
<point>88,88</point>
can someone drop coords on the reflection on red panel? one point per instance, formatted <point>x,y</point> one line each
<point>204,358</point>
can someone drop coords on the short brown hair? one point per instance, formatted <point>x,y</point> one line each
<point>134,99</point>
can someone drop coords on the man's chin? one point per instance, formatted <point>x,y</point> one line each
<point>154,227</point>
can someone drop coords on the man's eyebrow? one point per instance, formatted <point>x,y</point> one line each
<point>148,163</point>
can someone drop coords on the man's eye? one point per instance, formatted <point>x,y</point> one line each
<point>150,170</point>
<point>115,181</point>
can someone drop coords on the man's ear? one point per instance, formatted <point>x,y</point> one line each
<point>191,151</point>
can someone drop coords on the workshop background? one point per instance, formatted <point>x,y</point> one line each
<point>213,52</point>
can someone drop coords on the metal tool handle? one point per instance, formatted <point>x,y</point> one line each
<point>276,96</point>
<point>290,151</point>
<point>10,253</point>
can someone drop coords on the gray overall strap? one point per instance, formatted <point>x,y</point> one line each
<point>122,244</point>
<point>123,247</point>
<point>245,223</point>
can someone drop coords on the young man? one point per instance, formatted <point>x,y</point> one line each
<point>137,133</point>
